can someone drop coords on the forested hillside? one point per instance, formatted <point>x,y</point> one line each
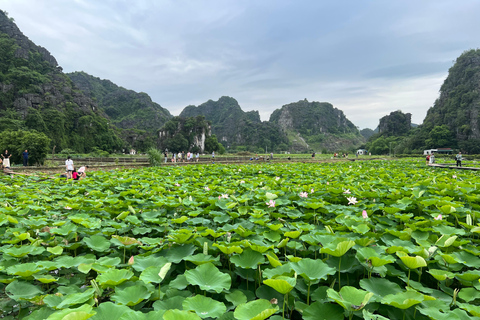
<point>36,95</point>
<point>239,130</point>
<point>317,126</point>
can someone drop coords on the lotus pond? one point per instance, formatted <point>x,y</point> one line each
<point>356,240</point>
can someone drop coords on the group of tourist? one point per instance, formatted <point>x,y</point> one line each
<point>5,160</point>
<point>181,156</point>
<point>72,173</point>
<point>430,159</point>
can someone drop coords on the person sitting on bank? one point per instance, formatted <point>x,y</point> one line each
<point>82,172</point>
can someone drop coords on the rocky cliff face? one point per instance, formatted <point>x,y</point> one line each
<point>316,125</point>
<point>35,94</point>
<point>459,102</point>
<point>234,127</point>
<point>396,123</point>
<point>126,108</point>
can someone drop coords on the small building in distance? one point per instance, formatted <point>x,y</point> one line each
<point>438,151</point>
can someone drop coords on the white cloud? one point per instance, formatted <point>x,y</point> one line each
<point>367,58</point>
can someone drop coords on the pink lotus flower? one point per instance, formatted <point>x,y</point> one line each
<point>454,177</point>
<point>225,196</point>
<point>177,184</point>
<point>346,191</point>
<point>364,214</point>
<point>303,195</point>
<point>270,204</point>
<point>352,200</point>
<point>312,191</point>
<point>328,183</point>
<point>131,261</point>
<point>207,188</point>
<point>277,178</point>
<point>242,182</point>
<point>439,217</point>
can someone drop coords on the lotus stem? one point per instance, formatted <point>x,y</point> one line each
<point>408,282</point>
<point>339,273</point>
<point>285,297</point>
<point>308,292</point>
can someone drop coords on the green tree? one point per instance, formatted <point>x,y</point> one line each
<point>211,144</point>
<point>37,144</point>
<point>440,137</point>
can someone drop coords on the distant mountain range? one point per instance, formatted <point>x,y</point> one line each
<point>84,113</point>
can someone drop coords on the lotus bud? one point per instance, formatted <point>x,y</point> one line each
<point>131,261</point>
<point>274,301</point>
<point>469,220</point>
<point>205,248</point>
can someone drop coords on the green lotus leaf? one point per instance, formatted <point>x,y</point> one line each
<point>323,311</point>
<point>273,259</point>
<point>255,310</point>
<point>55,250</point>
<point>18,290</point>
<point>76,298</point>
<point>446,209</point>
<point>84,268</point>
<point>40,314</point>
<point>403,300</point>
<point>469,275</point>
<point>155,273</point>
<point>312,270</point>
<point>380,287</point>
<point>259,246</point>
<point>270,196</point>
<point>470,308</point>
<point>178,253</point>
<point>350,298</point>
<point>180,220</point>
<point>175,314</point>
<point>314,204</point>
<point>204,307</point>
<point>340,249</point>
<point>413,262</point>
<point>114,277</point>
<point>282,270</point>
<point>391,210</point>
<point>200,258</point>
<point>281,284</point>
<point>141,262</point>
<point>248,259</point>
<point>275,227</point>
<point>367,315</point>
<point>44,278</point>
<point>236,297</point>
<point>24,270</point>
<point>131,296</point>
<point>293,234</point>
<point>97,243</point>
<point>208,278</point>
<point>109,261</point>
<point>228,249</point>
<point>170,303</point>
<point>469,294</point>
<point>23,251</point>
<point>110,311</point>
<point>441,274</point>
<point>81,313</point>
<point>124,241</point>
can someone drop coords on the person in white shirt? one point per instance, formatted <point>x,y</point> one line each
<point>69,167</point>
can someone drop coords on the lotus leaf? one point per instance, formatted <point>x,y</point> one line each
<point>312,270</point>
<point>380,287</point>
<point>403,300</point>
<point>281,284</point>
<point>208,278</point>
<point>176,314</point>
<point>204,307</point>
<point>114,277</point>
<point>350,298</point>
<point>76,298</point>
<point>18,290</point>
<point>80,313</point>
<point>323,311</point>
<point>255,310</point>
<point>131,296</point>
<point>236,297</point>
<point>338,249</point>
<point>248,259</point>
<point>97,243</point>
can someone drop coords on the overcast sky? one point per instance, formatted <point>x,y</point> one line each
<point>367,58</point>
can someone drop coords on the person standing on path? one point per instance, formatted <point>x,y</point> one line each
<point>459,159</point>
<point>25,157</point>
<point>69,167</point>
<point>6,159</point>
